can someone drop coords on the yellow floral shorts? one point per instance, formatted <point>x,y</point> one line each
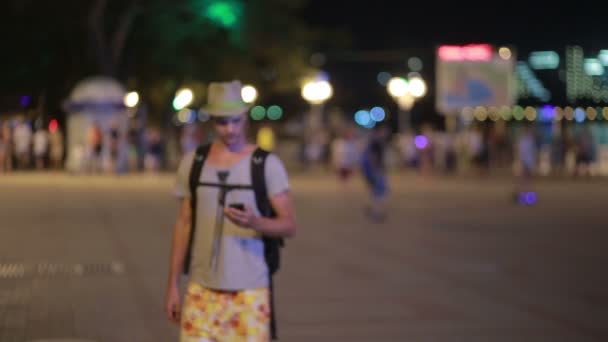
<point>219,316</point>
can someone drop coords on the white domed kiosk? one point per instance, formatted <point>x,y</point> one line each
<point>96,100</point>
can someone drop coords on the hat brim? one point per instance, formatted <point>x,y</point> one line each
<point>225,112</point>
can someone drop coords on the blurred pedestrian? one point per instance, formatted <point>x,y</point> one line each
<point>374,170</point>
<point>115,143</point>
<point>22,139</point>
<point>527,155</point>
<point>229,294</point>
<point>133,145</point>
<point>94,147</point>
<point>41,145</point>
<point>56,148</point>
<point>154,150</point>
<point>345,154</point>
<point>407,147</point>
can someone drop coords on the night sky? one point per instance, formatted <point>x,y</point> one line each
<point>401,29</point>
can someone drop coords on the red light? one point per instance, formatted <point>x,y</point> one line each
<point>471,52</point>
<point>53,125</point>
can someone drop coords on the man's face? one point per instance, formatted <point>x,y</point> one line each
<point>230,130</point>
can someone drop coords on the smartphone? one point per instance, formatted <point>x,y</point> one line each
<point>238,206</point>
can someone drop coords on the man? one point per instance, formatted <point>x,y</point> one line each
<point>374,171</point>
<point>228,296</point>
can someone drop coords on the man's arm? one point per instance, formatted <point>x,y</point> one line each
<point>283,225</point>
<point>181,235</point>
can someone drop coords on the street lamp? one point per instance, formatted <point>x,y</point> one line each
<point>249,94</point>
<point>405,92</point>
<point>398,87</point>
<point>317,92</point>
<point>182,98</point>
<point>417,87</point>
<point>131,99</point>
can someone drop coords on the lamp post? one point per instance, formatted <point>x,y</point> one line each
<point>316,93</point>
<point>405,92</point>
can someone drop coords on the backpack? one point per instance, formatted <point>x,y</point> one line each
<point>272,246</point>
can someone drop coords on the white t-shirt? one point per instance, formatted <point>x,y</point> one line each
<point>241,264</point>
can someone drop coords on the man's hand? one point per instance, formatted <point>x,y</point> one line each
<point>172,304</point>
<point>243,218</point>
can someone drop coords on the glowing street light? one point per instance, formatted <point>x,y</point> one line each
<point>182,98</point>
<point>398,87</point>
<point>249,94</point>
<point>417,87</point>
<point>405,92</point>
<point>317,92</point>
<point>131,99</point>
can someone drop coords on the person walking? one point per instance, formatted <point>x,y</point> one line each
<point>235,210</point>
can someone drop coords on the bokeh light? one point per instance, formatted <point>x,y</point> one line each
<point>185,116</point>
<point>274,112</point>
<point>383,78</point>
<point>591,113</point>
<point>414,63</point>
<point>569,113</point>
<point>258,113</point>
<point>421,142</point>
<point>363,117</point>
<point>131,99</point>
<point>480,113</point>
<point>398,86</point>
<point>579,115</point>
<point>182,98</point>
<point>377,114</point>
<point>530,113</point>
<point>53,125</point>
<point>417,87</point>
<point>559,114</point>
<point>317,92</point>
<point>249,94</point>
<point>518,113</point>
<point>505,53</point>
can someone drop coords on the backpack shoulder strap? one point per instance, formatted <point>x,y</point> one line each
<point>258,180</point>
<point>200,155</point>
<point>271,245</point>
<point>193,179</point>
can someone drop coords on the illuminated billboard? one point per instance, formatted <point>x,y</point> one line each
<point>474,75</point>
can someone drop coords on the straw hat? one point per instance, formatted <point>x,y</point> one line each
<point>224,99</point>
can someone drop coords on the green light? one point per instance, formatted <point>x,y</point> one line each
<point>257,113</point>
<point>518,113</point>
<point>275,112</point>
<point>224,13</point>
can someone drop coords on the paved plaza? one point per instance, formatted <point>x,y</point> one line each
<point>85,258</point>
